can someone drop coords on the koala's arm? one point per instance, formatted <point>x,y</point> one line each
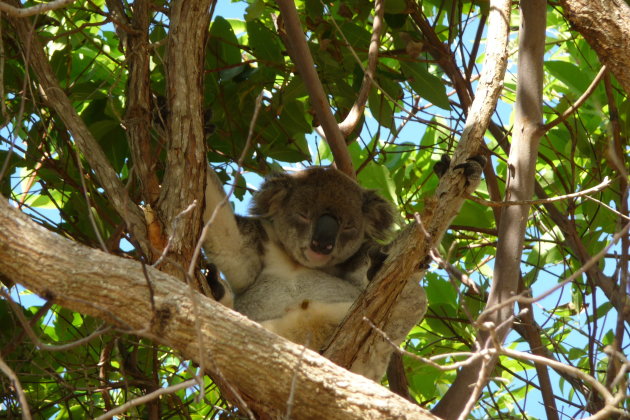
<point>231,243</point>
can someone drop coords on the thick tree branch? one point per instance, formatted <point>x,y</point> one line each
<point>521,167</point>
<point>235,349</point>
<point>186,162</point>
<point>85,141</point>
<point>605,24</point>
<point>302,58</point>
<point>354,339</point>
<point>138,116</point>
<point>442,54</point>
<point>20,12</point>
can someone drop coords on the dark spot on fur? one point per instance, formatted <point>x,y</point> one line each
<point>304,304</point>
<point>377,258</point>
<point>212,277</point>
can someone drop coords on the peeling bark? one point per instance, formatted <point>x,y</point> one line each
<point>605,24</point>
<point>186,162</point>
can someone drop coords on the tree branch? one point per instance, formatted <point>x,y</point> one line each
<point>302,58</point>
<point>19,12</point>
<point>186,161</point>
<point>87,144</point>
<point>138,115</point>
<point>234,348</point>
<point>356,112</point>
<point>390,291</point>
<point>605,24</point>
<point>452,404</point>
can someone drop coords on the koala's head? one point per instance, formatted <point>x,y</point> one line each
<point>321,216</point>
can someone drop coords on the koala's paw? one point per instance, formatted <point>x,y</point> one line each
<point>441,167</point>
<point>377,258</point>
<point>473,167</point>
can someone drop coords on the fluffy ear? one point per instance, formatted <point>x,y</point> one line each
<point>379,215</point>
<point>272,194</point>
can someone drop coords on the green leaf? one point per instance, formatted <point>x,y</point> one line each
<point>381,108</point>
<point>264,43</point>
<point>293,118</point>
<point>576,78</point>
<point>430,87</point>
<point>377,177</point>
<point>222,44</point>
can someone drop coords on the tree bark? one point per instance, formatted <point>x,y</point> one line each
<point>186,162</point>
<point>256,364</point>
<point>521,166</point>
<point>85,141</point>
<point>605,24</point>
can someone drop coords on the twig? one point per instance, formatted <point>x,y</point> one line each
<point>89,205</point>
<point>606,182</point>
<point>170,238</point>
<point>577,103</point>
<point>353,117</point>
<point>26,413</point>
<point>618,213</point>
<point>204,232</point>
<point>225,199</point>
<point>585,267</point>
<point>294,382</point>
<point>146,398</point>
<point>306,67</point>
<point>40,345</point>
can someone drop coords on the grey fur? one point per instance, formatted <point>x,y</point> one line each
<point>267,259</point>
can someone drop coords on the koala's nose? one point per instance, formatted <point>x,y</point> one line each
<point>324,234</point>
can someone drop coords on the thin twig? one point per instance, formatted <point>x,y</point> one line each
<point>43,346</point>
<point>294,383</point>
<point>26,413</point>
<point>350,122</point>
<point>146,398</point>
<point>225,199</point>
<point>89,205</point>
<point>543,129</point>
<point>170,238</point>
<point>606,182</point>
<point>585,267</point>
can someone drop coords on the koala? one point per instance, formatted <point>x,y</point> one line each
<point>308,249</point>
<point>298,263</point>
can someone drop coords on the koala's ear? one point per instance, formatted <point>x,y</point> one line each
<point>272,194</point>
<point>379,214</point>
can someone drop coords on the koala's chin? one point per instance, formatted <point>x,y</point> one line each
<point>315,259</point>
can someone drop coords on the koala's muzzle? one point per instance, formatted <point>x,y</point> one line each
<point>325,234</point>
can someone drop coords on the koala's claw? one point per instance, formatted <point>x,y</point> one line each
<point>441,167</point>
<point>473,167</point>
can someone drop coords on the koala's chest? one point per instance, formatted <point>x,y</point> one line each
<point>284,285</point>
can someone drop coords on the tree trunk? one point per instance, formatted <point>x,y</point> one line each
<point>522,165</point>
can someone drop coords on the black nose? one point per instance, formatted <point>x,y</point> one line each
<point>324,234</point>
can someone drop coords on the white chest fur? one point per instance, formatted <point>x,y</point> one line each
<point>302,304</point>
